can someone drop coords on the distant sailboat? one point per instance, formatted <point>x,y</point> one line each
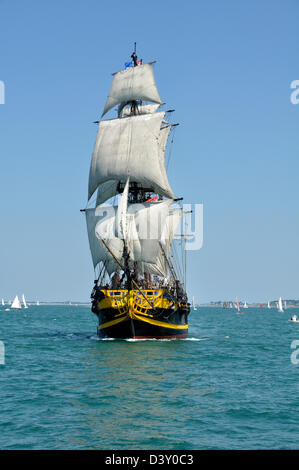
<point>285,304</point>
<point>193,304</point>
<point>280,309</point>
<point>37,303</point>
<point>238,306</point>
<point>2,302</point>
<point>294,319</point>
<point>16,303</point>
<point>269,304</point>
<point>245,305</point>
<point>24,301</point>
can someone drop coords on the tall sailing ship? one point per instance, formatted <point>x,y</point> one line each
<point>139,291</point>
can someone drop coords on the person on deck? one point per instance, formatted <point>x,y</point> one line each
<point>116,280</point>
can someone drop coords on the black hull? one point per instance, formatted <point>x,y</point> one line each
<point>173,324</point>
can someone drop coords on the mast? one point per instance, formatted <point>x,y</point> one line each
<point>129,160</point>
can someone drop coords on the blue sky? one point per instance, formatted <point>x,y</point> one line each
<point>225,67</point>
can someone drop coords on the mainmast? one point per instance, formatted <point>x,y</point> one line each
<point>134,103</point>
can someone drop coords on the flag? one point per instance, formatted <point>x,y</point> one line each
<point>128,64</point>
<point>152,199</point>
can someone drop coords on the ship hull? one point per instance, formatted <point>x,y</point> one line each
<point>128,322</point>
<point>143,327</point>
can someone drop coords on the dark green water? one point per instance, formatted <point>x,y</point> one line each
<point>231,385</point>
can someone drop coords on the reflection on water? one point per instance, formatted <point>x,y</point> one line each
<point>136,387</point>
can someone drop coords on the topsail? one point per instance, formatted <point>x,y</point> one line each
<point>136,83</point>
<point>130,147</point>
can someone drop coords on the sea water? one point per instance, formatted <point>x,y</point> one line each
<point>233,384</point>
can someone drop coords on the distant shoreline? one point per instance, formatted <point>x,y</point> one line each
<point>210,304</point>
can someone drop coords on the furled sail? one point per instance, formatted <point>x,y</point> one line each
<point>134,83</point>
<point>130,147</point>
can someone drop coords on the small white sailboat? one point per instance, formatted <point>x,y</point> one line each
<point>193,304</point>
<point>2,302</point>
<point>280,309</point>
<point>37,303</point>
<point>285,304</point>
<point>24,301</point>
<point>294,319</point>
<point>16,303</point>
<point>245,305</point>
<point>238,306</point>
<point>269,304</point>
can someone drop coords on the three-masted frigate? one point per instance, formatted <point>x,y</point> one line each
<point>138,292</point>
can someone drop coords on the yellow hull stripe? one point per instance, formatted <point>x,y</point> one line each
<point>112,322</point>
<point>160,323</point>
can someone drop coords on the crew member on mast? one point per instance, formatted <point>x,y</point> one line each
<point>134,58</point>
